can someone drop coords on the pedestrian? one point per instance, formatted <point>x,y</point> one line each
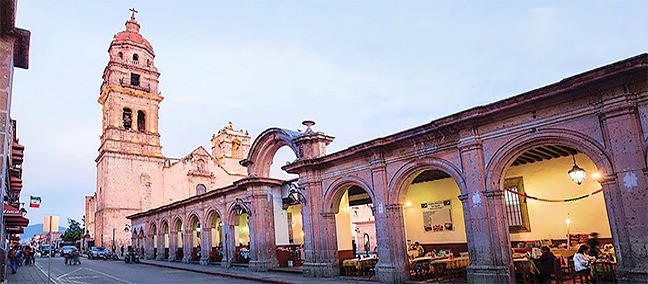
<point>122,250</point>
<point>13,260</point>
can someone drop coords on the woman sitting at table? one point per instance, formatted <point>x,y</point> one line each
<point>419,248</point>
<point>545,264</point>
<point>582,260</point>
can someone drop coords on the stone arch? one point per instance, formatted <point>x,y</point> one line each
<point>190,217</point>
<point>210,212</point>
<point>334,192</point>
<point>176,220</point>
<point>232,218</point>
<point>504,157</point>
<point>265,147</point>
<point>407,173</point>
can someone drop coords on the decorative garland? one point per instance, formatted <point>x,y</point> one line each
<point>554,200</point>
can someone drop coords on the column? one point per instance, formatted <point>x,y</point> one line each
<point>320,236</point>
<point>205,244</point>
<point>160,245</point>
<point>229,245</point>
<point>173,244</point>
<point>393,264</point>
<point>148,245</point>
<point>485,219</point>
<point>263,248</point>
<point>187,246</point>
<point>626,190</point>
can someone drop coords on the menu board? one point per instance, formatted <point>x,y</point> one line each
<point>437,216</point>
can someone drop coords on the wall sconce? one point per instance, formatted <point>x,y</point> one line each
<point>239,207</point>
<point>295,194</point>
<point>577,174</point>
<point>127,228</point>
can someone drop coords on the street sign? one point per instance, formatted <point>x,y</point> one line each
<point>51,223</point>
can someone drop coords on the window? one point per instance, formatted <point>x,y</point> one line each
<point>200,189</point>
<point>127,118</point>
<point>121,55</point>
<point>135,79</point>
<point>141,121</point>
<point>135,57</point>
<point>516,206</point>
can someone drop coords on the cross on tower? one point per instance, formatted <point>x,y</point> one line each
<point>133,12</point>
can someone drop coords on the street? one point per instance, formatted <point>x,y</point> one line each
<point>109,271</point>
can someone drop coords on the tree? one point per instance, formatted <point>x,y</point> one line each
<point>73,232</point>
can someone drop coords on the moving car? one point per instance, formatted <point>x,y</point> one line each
<point>45,249</point>
<point>67,249</point>
<point>98,252</point>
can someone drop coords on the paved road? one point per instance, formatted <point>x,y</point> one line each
<point>109,271</point>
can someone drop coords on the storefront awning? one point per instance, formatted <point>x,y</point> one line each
<point>15,230</point>
<point>11,211</point>
<point>16,221</point>
<point>16,184</point>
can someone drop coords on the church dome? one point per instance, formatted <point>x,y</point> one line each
<point>132,36</point>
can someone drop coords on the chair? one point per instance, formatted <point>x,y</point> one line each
<point>582,277</point>
<point>440,270</point>
<point>522,271</point>
<point>560,272</point>
<point>604,272</point>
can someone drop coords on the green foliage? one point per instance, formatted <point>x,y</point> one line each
<point>73,232</point>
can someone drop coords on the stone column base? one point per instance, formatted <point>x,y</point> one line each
<point>186,260</point>
<point>204,261</point>
<point>226,264</point>
<point>632,276</point>
<point>390,274</point>
<point>160,257</point>
<point>312,269</point>
<point>489,274</point>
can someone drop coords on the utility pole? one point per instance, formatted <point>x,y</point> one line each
<point>113,241</point>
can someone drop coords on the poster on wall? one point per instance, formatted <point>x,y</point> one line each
<point>437,216</point>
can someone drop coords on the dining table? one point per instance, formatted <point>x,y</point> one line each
<point>438,266</point>
<point>359,266</point>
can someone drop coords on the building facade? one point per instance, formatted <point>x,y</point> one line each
<point>500,169</point>
<point>132,173</point>
<point>14,52</point>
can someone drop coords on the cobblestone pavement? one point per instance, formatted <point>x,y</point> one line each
<point>109,271</point>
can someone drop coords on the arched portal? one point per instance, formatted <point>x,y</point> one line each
<point>194,223</point>
<point>141,239</point>
<point>237,242</point>
<point>165,236</point>
<point>547,204</point>
<point>264,148</point>
<point>434,225</point>
<point>215,231</point>
<point>179,239</point>
<point>353,207</point>
<point>154,239</point>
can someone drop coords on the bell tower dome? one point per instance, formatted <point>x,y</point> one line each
<point>129,95</point>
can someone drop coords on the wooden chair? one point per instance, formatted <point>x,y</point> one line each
<point>604,272</point>
<point>522,272</point>
<point>582,277</point>
<point>440,270</point>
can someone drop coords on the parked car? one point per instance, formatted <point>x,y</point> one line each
<point>67,249</point>
<point>98,252</point>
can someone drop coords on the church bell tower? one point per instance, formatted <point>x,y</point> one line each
<point>130,156</point>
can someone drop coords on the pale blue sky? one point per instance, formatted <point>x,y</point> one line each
<point>360,69</point>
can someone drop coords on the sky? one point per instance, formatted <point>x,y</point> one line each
<point>359,69</point>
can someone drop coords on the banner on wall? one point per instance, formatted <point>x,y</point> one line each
<point>437,216</point>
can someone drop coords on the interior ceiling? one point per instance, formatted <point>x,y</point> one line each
<point>545,152</point>
<point>357,195</point>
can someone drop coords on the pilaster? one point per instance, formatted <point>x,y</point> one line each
<point>186,246</point>
<point>205,238</point>
<point>262,236</point>
<point>484,217</point>
<point>626,190</point>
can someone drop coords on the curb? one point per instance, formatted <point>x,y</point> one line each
<point>229,275</point>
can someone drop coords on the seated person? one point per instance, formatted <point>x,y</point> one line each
<point>582,260</point>
<point>418,247</point>
<point>545,264</point>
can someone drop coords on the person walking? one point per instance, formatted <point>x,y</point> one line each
<point>13,260</point>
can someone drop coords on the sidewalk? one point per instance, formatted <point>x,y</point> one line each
<point>26,274</point>
<point>244,273</point>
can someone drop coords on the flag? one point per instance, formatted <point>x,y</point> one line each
<point>34,201</point>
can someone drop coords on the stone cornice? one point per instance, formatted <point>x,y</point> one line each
<point>106,89</point>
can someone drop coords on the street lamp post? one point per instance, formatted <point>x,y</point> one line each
<point>113,241</point>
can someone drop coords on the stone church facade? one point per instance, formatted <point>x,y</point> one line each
<point>132,173</point>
